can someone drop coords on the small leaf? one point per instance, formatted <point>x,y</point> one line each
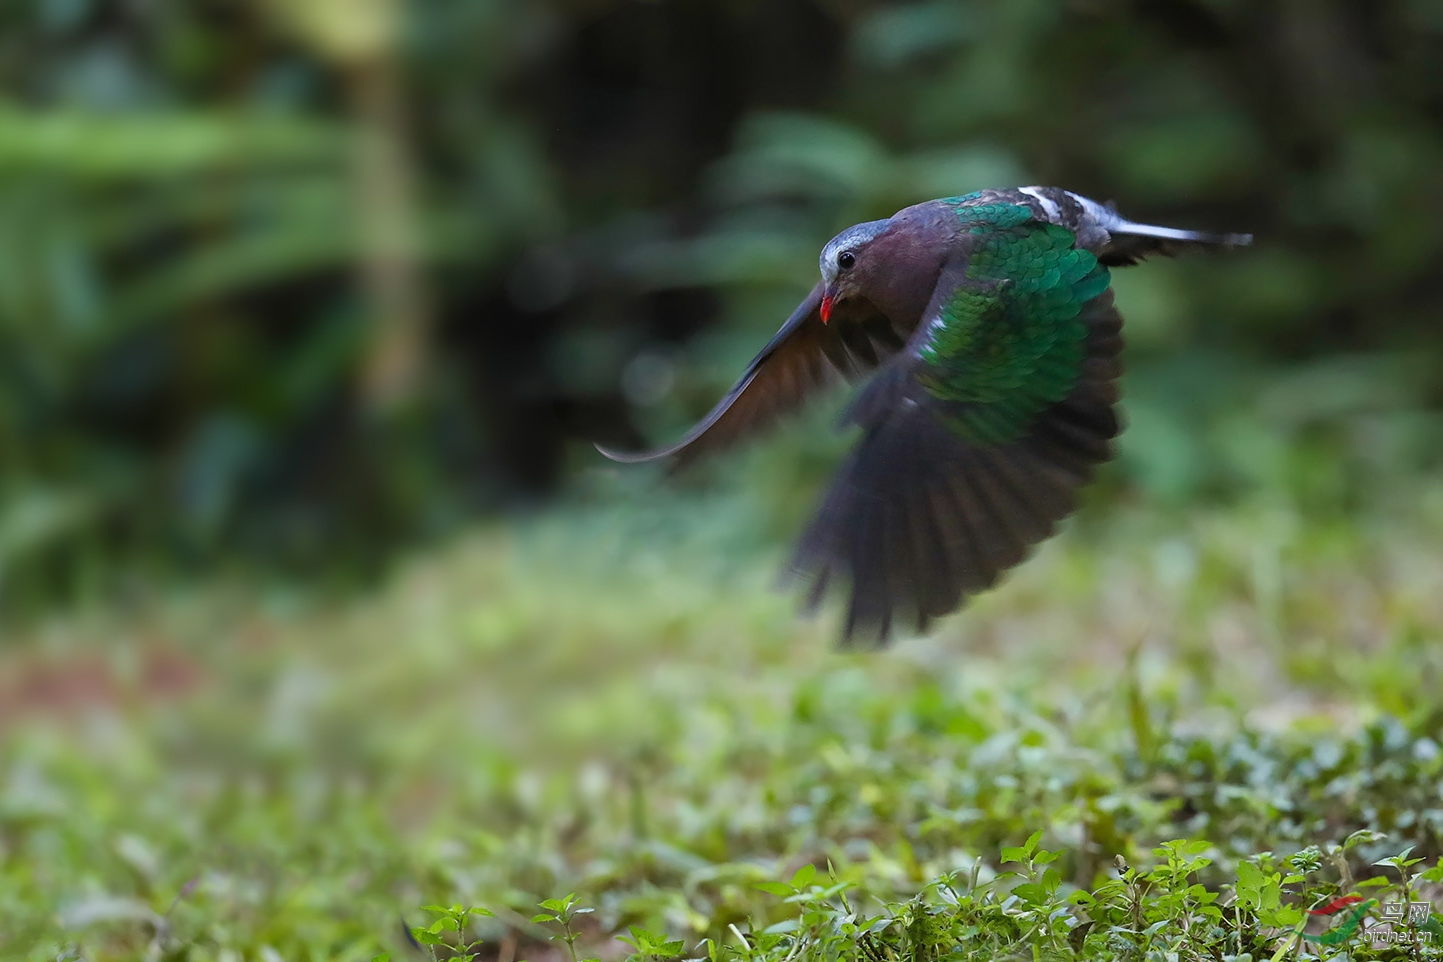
<point>1032,892</point>
<point>1287,916</point>
<point>775,888</point>
<point>1395,860</point>
<point>786,925</point>
<point>1362,837</point>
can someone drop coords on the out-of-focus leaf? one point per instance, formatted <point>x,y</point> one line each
<point>895,35</point>
<point>1177,156</point>
<point>801,154</point>
<point>149,146</point>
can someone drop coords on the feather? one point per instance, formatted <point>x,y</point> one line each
<point>804,358</point>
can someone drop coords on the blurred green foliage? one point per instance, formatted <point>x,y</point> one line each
<point>609,703</point>
<point>187,318</point>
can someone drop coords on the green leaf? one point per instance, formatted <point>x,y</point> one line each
<point>774,888</point>
<point>1033,893</point>
<point>1362,837</point>
<point>653,944</point>
<point>1287,916</point>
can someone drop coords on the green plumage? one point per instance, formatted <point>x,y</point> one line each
<point>1009,342</point>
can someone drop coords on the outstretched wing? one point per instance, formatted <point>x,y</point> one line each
<point>978,438</point>
<point>804,356</point>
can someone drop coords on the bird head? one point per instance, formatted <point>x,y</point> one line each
<point>844,264</point>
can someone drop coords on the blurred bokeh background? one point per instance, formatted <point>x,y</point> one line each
<point>317,604</point>
<point>294,285</point>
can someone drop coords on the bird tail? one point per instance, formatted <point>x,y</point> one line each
<point>1129,241</point>
<point>1132,242</point>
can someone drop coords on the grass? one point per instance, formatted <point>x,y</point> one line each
<point>601,733</point>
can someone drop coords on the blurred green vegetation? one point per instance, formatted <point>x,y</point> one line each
<point>301,283</point>
<point>613,703</point>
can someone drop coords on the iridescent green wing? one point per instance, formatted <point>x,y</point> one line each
<point>1008,339</point>
<point>978,438</point>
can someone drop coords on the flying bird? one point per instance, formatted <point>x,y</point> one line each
<point>986,325</point>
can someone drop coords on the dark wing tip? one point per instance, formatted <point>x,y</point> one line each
<point>633,457</point>
<point>679,449</point>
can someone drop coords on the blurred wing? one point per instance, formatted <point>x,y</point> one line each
<point>970,457</point>
<point>804,357</point>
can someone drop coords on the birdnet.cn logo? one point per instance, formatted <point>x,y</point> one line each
<point>1399,926</point>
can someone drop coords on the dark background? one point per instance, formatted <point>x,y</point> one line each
<point>286,288</point>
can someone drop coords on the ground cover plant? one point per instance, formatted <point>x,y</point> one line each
<point>601,732</point>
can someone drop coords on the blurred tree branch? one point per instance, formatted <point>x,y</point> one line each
<point>359,38</point>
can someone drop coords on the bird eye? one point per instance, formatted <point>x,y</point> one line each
<point>846,259</point>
